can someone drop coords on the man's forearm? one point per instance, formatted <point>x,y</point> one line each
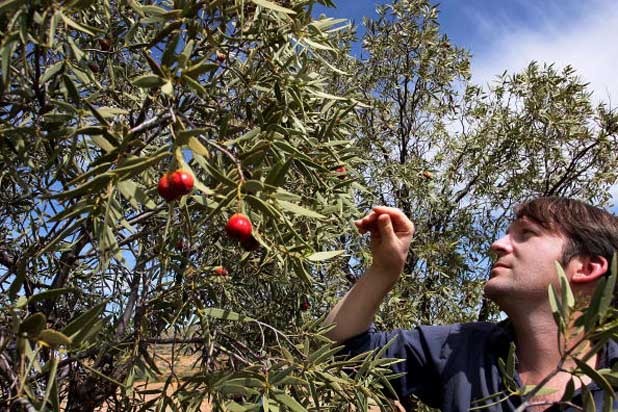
<point>356,310</point>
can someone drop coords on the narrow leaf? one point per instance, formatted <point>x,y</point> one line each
<point>54,338</point>
<point>321,256</point>
<point>273,6</point>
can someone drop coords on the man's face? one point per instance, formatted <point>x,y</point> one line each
<point>524,265</point>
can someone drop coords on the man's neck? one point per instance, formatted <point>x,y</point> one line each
<point>538,345</point>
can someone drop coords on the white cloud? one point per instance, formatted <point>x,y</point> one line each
<point>585,41</point>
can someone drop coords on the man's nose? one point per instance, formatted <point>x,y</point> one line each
<point>501,246</point>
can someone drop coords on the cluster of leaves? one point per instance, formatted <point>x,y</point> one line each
<point>261,103</point>
<point>98,100</point>
<point>456,157</point>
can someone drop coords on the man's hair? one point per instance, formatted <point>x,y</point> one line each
<point>589,230</point>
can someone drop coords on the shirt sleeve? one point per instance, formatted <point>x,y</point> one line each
<point>420,350</point>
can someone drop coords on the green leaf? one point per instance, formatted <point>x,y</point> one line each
<point>168,88</point>
<point>148,81</point>
<point>322,256</point>
<point>556,307</point>
<point>93,185</point>
<point>568,301</point>
<point>299,210</point>
<point>33,324</point>
<point>595,376</point>
<point>194,84</point>
<point>77,52</point>
<point>52,387</point>
<point>85,334</point>
<point>543,391</point>
<point>51,294</point>
<point>85,320</point>
<point>569,391</point>
<point>200,68</point>
<point>9,5</point>
<point>285,399</point>
<point>54,338</point>
<point>325,95</point>
<point>135,194</point>
<point>103,143</point>
<point>197,147</point>
<point>51,71</point>
<point>135,165</point>
<point>276,175</point>
<point>273,6</point>
<point>608,292</point>
<point>225,315</point>
<point>7,51</point>
<point>317,45</point>
<point>75,25</point>
<point>109,112</point>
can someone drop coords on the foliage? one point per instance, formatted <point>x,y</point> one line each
<point>457,157</point>
<point>99,99</point>
<point>261,103</point>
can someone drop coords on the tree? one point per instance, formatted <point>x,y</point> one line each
<point>457,157</point>
<point>274,118</point>
<point>100,99</point>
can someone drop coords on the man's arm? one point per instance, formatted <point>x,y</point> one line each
<point>391,233</point>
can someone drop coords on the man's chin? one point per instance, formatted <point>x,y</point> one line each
<point>493,291</point>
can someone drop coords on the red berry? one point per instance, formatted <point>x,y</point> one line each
<point>305,305</point>
<point>165,188</point>
<point>220,56</point>
<point>182,246</point>
<point>175,184</point>
<point>182,182</point>
<point>220,271</point>
<point>341,172</point>
<point>239,227</point>
<point>105,44</point>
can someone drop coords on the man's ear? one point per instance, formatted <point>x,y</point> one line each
<point>588,268</point>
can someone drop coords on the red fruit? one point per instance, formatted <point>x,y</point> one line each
<point>220,271</point>
<point>175,184</point>
<point>220,56</point>
<point>305,305</point>
<point>182,182</point>
<point>105,44</point>
<point>182,246</point>
<point>239,227</point>
<point>165,188</point>
<point>341,171</point>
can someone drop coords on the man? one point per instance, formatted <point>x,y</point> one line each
<point>450,367</point>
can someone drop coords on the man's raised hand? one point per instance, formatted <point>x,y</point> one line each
<point>391,233</point>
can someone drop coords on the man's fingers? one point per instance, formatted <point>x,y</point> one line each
<point>399,220</point>
<point>367,223</point>
<point>385,226</point>
<point>396,219</point>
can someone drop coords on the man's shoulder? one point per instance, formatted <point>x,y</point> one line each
<point>465,330</point>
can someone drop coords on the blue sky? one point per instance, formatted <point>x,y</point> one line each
<point>508,34</point>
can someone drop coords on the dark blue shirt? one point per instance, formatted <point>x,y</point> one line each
<point>449,367</point>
